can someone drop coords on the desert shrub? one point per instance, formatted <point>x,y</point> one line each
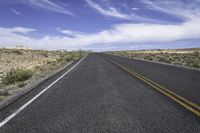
<point>4,93</point>
<point>60,60</point>
<point>177,62</point>
<point>44,54</point>
<point>163,59</point>
<point>148,58</point>
<point>72,57</point>
<point>196,53</point>
<point>67,58</point>
<point>16,75</point>
<point>18,52</point>
<point>21,84</point>
<point>195,64</point>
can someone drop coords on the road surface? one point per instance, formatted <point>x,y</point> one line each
<point>96,96</point>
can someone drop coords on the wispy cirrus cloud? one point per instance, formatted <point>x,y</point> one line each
<point>187,9</point>
<point>135,8</point>
<point>112,12</point>
<point>69,33</point>
<point>49,5</point>
<point>132,33</point>
<point>120,33</point>
<point>22,30</point>
<point>15,11</point>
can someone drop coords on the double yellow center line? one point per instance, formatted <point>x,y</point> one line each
<point>194,108</point>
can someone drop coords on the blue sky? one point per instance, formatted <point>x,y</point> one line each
<point>100,24</point>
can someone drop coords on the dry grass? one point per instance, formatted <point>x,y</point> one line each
<point>16,63</point>
<point>185,57</point>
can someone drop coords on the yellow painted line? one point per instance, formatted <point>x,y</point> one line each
<point>194,108</point>
<point>172,93</point>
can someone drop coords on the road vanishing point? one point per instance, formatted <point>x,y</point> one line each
<point>104,93</point>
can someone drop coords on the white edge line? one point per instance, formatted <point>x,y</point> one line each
<point>35,97</point>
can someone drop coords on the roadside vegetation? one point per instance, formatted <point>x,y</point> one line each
<point>16,75</point>
<point>185,57</point>
<point>21,68</point>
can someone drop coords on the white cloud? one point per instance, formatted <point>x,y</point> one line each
<point>135,8</point>
<point>48,5</point>
<point>16,30</point>
<point>175,7</point>
<point>15,11</point>
<point>22,30</point>
<point>124,33</point>
<point>112,12</point>
<point>70,32</point>
<point>121,33</point>
<point>133,33</point>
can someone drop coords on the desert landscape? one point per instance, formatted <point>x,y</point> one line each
<point>21,67</point>
<point>185,57</point>
<point>100,66</point>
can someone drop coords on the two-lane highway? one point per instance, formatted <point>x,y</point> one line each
<point>97,96</point>
<point>184,82</point>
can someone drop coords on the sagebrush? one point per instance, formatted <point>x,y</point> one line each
<point>16,75</point>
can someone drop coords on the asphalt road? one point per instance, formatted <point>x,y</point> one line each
<point>184,82</point>
<point>98,97</point>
